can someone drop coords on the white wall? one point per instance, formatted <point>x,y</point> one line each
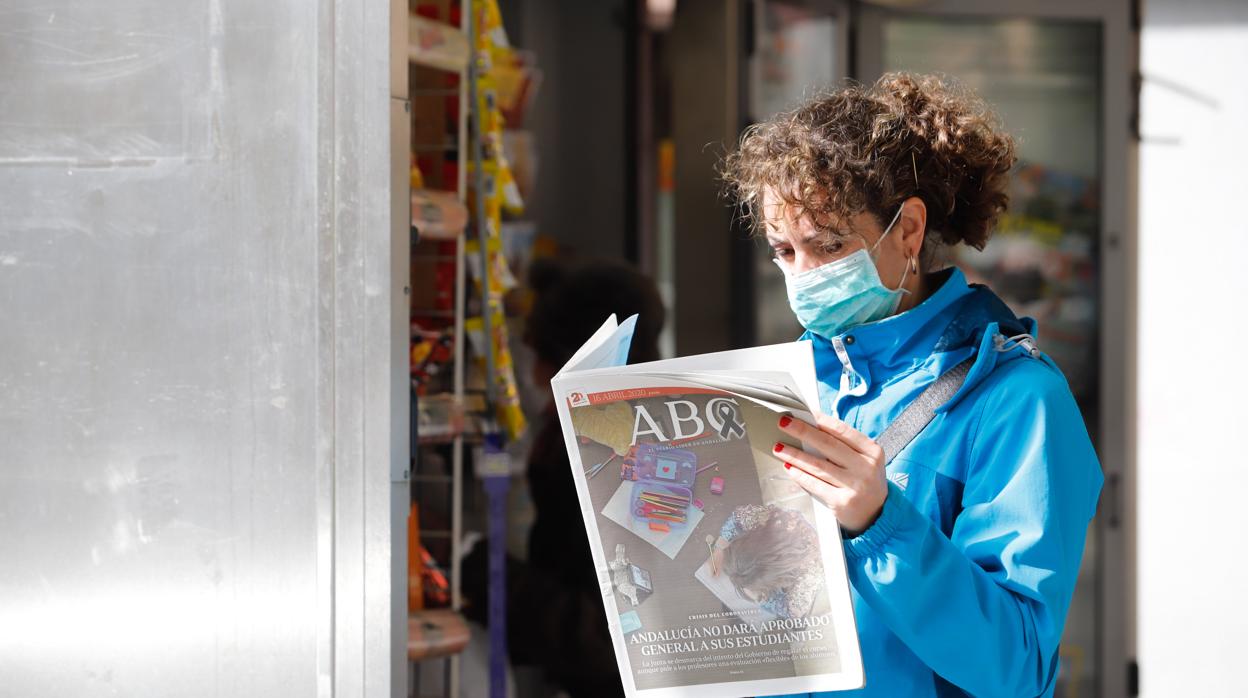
<point>1193,378</point>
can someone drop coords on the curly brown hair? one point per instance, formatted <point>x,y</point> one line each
<point>868,149</point>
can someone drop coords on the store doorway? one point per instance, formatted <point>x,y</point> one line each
<point>1059,74</point>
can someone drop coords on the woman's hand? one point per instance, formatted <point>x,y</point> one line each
<point>849,477</point>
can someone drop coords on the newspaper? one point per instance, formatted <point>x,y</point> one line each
<point>720,576</point>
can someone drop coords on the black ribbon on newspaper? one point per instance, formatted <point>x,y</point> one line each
<point>729,426</point>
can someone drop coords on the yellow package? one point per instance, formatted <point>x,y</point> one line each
<point>506,390</point>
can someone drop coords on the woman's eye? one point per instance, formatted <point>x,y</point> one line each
<point>782,253</point>
<point>833,247</point>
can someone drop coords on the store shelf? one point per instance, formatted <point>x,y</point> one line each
<point>449,438</point>
<point>436,633</point>
<point>443,423</point>
<point>438,215</point>
<point>451,422</point>
<point>436,45</point>
<point>443,418</point>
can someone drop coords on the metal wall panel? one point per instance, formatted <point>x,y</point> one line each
<point>195,447</point>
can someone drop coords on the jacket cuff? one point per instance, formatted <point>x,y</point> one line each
<point>874,540</point>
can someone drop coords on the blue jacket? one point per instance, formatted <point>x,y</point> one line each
<point>962,584</point>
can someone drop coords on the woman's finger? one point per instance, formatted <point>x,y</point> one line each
<point>855,439</point>
<point>818,488</point>
<point>829,445</point>
<point>810,464</point>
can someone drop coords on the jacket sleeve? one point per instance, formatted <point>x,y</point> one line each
<point>985,607</point>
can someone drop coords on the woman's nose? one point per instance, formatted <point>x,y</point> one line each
<point>803,261</point>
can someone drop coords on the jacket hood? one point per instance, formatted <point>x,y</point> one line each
<point>986,322</point>
<point>956,322</point>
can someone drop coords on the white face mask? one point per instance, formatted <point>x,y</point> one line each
<point>840,295</point>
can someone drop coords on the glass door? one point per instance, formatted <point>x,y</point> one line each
<point>1045,72</point>
<point>1059,75</point>
<point>1043,78</point>
<point>798,50</point>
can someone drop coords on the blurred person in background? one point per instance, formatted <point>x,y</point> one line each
<point>963,549</point>
<point>555,610</point>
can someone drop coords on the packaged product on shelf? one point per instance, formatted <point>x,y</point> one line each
<point>491,35</point>
<point>501,278</point>
<point>437,44</point>
<point>438,214</point>
<point>487,106</point>
<point>415,565</point>
<point>432,354</point>
<point>513,202</point>
<point>439,418</point>
<point>506,391</point>
<point>519,240</point>
<point>493,196</point>
<point>520,150</point>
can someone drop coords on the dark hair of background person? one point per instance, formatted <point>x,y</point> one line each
<point>574,299</point>
<point>867,149</point>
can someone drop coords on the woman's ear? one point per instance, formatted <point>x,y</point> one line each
<point>913,224</point>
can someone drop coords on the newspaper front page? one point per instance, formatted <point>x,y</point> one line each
<point>720,576</point>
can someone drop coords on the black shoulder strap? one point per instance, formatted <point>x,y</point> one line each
<point>918,414</point>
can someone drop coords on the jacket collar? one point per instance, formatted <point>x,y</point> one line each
<point>957,321</point>
<point>907,339</point>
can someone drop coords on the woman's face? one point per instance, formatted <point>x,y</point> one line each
<point>801,244</point>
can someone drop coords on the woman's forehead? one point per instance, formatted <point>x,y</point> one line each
<point>778,210</point>
<point>782,218</point>
<point>804,229</point>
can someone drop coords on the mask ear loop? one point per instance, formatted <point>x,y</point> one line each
<point>905,271</point>
<point>889,229</point>
<point>914,265</point>
<point>913,269</point>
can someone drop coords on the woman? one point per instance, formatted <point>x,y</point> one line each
<point>771,556</point>
<point>963,550</point>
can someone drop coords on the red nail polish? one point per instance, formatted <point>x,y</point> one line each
<point>788,465</point>
<point>778,447</point>
<point>785,421</point>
